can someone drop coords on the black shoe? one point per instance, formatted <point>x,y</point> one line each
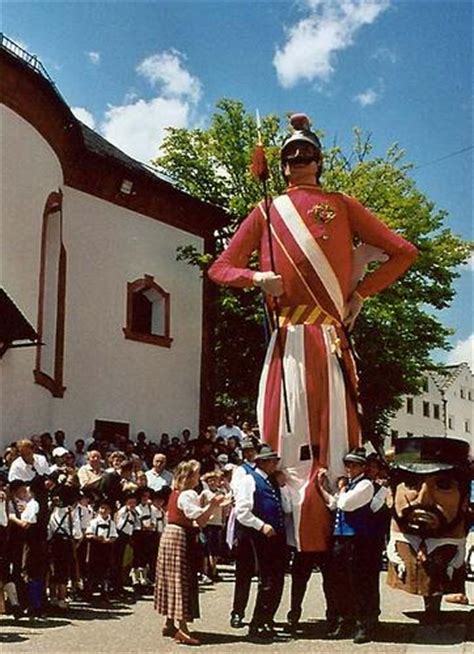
<point>260,634</point>
<point>293,619</point>
<point>431,618</point>
<point>362,635</point>
<point>17,611</point>
<point>236,621</point>
<point>339,630</point>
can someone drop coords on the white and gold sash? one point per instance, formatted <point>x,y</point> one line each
<point>310,247</point>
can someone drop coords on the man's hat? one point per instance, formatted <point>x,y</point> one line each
<point>247,443</point>
<point>266,454</point>
<point>302,133</point>
<point>59,451</point>
<point>429,454</point>
<point>356,455</point>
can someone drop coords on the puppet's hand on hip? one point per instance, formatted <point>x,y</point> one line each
<point>269,282</point>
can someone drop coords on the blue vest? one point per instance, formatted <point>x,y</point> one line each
<point>267,502</point>
<point>355,523</point>
<point>247,467</point>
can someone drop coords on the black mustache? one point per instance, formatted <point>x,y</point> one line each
<point>407,513</point>
<point>300,159</point>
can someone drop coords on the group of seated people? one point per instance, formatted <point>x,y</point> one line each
<point>88,520</point>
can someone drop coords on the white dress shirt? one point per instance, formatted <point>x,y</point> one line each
<point>64,521</point>
<point>126,520</point>
<point>226,432</point>
<point>104,527</point>
<point>3,510</point>
<point>238,474</point>
<point>188,502</point>
<point>244,501</point>
<point>357,497</point>
<point>30,512</point>
<point>24,471</point>
<point>157,480</point>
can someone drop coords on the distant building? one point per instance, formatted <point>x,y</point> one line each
<point>118,331</point>
<point>444,408</point>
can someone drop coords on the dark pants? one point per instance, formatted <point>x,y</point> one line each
<point>118,571</point>
<point>244,569</point>
<point>271,557</point>
<point>301,569</point>
<point>354,587</point>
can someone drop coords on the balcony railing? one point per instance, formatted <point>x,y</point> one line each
<point>30,59</point>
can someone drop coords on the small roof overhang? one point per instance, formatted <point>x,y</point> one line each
<point>15,330</point>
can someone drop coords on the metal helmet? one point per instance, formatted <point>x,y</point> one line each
<point>302,133</point>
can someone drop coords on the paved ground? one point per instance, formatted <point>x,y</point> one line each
<point>135,628</point>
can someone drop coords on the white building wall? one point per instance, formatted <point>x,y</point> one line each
<point>30,171</point>
<point>106,376</point>
<point>459,410</point>
<point>461,406</point>
<point>417,423</point>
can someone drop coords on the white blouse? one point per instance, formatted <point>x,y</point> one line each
<point>188,502</point>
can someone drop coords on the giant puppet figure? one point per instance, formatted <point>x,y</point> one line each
<point>312,238</point>
<point>430,485</point>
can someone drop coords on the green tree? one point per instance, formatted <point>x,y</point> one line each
<point>397,329</point>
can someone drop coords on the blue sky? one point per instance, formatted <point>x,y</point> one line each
<point>401,70</point>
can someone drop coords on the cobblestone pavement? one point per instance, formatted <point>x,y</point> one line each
<point>135,628</point>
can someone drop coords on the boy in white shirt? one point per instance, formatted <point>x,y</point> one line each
<point>101,535</point>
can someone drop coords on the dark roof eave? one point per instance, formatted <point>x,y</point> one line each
<point>14,326</point>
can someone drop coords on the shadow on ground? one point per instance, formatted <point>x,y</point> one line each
<point>456,627</point>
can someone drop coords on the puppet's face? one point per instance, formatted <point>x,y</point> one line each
<point>427,505</point>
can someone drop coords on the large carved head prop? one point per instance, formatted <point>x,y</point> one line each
<point>430,482</point>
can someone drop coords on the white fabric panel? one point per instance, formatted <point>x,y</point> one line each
<point>290,443</point>
<point>338,444</point>
<point>263,383</point>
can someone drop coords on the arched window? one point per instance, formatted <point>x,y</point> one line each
<point>148,312</point>
<point>51,300</point>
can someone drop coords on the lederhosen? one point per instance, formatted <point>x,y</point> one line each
<point>100,556</point>
<point>144,542</point>
<point>128,517</point>
<point>15,546</point>
<point>61,548</point>
<point>83,545</point>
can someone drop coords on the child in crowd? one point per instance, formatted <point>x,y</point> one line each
<point>35,549</point>
<point>101,535</point>
<point>126,521</point>
<point>15,587</point>
<point>160,502</point>
<point>3,545</point>
<point>85,513</point>
<point>145,540</point>
<point>214,529</point>
<point>64,532</point>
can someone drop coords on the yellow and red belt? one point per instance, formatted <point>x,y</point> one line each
<point>305,314</point>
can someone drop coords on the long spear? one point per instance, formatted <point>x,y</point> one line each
<point>260,171</point>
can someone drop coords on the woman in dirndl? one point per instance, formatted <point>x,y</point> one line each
<point>176,594</point>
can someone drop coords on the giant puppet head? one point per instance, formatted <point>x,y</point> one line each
<point>302,146</point>
<point>430,481</point>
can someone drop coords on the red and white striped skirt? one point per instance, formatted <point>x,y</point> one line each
<point>323,419</point>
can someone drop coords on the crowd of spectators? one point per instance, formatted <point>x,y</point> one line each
<point>85,518</point>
